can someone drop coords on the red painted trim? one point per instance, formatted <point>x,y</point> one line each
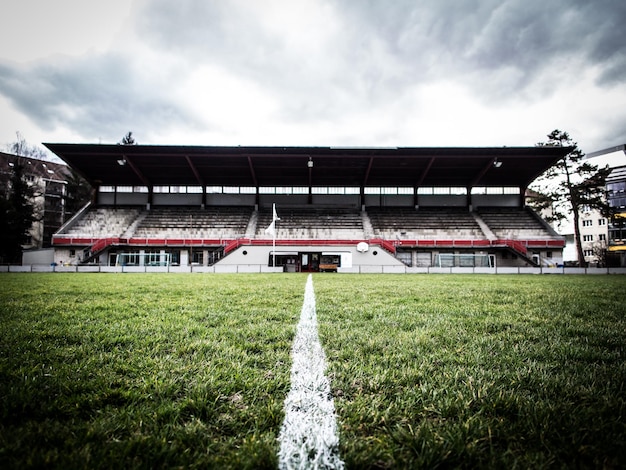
<point>231,244</point>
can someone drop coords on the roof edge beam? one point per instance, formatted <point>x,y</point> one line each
<point>137,171</point>
<point>195,170</point>
<point>482,172</point>
<point>424,174</point>
<point>367,172</point>
<point>252,172</point>
<point>598,153</point>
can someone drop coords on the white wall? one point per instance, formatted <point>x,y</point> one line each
<point>259,255</point>
<point>45,256</point>
<point>265,269</point>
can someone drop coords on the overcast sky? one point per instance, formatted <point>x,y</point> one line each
<point>314,72</point>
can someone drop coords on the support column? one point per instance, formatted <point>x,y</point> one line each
<point>362,196</point>
<point>184,257</point>
<point>95,197</point>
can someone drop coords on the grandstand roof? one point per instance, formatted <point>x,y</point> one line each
<point>160,165</point>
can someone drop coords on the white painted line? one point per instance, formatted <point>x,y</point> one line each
<point>308,437</point>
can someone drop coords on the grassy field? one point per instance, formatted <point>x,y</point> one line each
<point>166,370</point>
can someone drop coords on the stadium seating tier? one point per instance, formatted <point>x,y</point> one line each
<point>232,222</point>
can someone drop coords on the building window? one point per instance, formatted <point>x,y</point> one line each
<point>588,252</point>
<point>601,221</point>
<point>587,223</point>
<point>587,238</point>
<point>197,257</point>
<point>336,190</point>
<point>602,237</point>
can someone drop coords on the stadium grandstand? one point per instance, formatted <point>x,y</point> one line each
<point>207,208</point>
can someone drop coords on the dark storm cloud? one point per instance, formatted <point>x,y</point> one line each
<point>98,96</point>
<point>327,60</point>
<point>231,36</point>
<point>534,36</point>
<point>497,48</point>
<point>451,38</point>
<point>209,32</point>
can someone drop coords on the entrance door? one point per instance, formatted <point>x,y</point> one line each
<point>310,262</point>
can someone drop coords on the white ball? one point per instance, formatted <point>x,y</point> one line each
<point>362,247</point>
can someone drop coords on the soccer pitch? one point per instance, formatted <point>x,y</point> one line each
<point>192,370</point>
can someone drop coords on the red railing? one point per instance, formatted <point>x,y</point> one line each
<point>102,243</point>
<point>385,244</point>
<point>74,240</point>
<point>462,243</point>
<point>98,244</point>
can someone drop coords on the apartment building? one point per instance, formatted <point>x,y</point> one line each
<point>48,181</point>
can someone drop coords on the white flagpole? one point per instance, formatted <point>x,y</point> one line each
<point>274,219</point>
<point>272,229</point>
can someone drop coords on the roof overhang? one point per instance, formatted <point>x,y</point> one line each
<point>161,165</point>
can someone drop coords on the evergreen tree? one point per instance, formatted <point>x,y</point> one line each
<point>17,214</point>
<point>569,186</point>
<point>128,139</point>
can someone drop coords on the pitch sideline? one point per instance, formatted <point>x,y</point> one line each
<point>308,437</point>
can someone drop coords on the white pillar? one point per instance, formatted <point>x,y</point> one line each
<point>184,257</point>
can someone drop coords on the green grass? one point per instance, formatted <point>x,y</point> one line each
<point>477,371</point>
<point>189,371</point>
<point>119,371</point>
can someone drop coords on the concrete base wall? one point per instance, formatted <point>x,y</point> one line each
<point>261,268</point>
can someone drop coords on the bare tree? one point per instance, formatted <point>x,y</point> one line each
<point>599,251</point>
<point>23,149</point>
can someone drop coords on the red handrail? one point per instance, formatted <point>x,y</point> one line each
<point>231,244</point>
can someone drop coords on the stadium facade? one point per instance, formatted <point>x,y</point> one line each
<point>339,209</point>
